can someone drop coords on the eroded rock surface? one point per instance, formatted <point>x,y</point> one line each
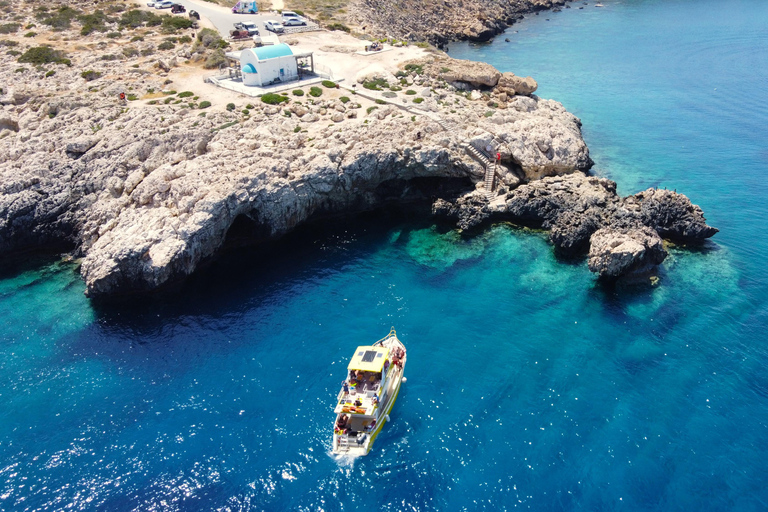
<point>145,194</point>
<point>574,208</point>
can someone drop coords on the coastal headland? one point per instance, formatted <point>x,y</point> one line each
<point>144,189</point>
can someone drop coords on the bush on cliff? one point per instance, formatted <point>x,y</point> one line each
<point>215,59</point>
<point>60,19</point>
<point>90,75</point>
<point>9,28</point>
<point>44,55</point>
<point>96,22</point>
<point>136,18</point>
<point>273,99</point>
<point>172,24</point>
<point>315,92</point>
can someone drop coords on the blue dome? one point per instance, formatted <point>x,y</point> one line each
<point>248,68</point>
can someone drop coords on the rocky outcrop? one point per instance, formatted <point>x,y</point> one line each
<point>615,253</point>
<point>511,84</point>
<point>584,213</point>
<point>473,73</point>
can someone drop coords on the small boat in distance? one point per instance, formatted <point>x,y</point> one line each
<point>367,394</point>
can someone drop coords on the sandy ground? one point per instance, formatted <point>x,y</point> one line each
<point>334,50</point>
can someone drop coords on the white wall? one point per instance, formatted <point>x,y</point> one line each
<point>269,69</point>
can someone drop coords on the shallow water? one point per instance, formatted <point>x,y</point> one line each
<point>529,385</point>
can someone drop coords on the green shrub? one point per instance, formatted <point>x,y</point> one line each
<point>415,68</point>
<point>109,57</point>
<point>132,97</point>
<point>380,102</point>
<point>375,85</point>
<point>136,18</point>
<point>339,26</point>
<point>60,19</point>
<point>30,26</point>
<point>13,53</point>
<point>287,113</point>
<point>186,94</point>
<point>50,73</point>
<point>418,100</point>
<point>20,70</point>
<point>166,45</point>
<point>444,70</point>
<point>370,109</point>
<point>185,39</point>
<point>231,107</point>
<point>30,34</point>
<point>273,99</point>
<point>114,35</point>
<point>215,59</point>
<point>9,28</point>
<point>298,92</point>
<point>209,38</point>
<point>489,113</point>
<point>172,24</point>
<point>90,75</point>
<point>249,106</point>
<point>135,39</point>
<point>44,55</point>
<point>329,84</point>
<point>315,91</point>
<point>96,22</point>
<point>344,99</point>
<point>297,129</point>
<point>204,104</point>
<point>395,88</point>
<point>9,43</point>
<point>130,52</point>
<point>410,92</point>
<point>169,93</point>
<point>146,52</point>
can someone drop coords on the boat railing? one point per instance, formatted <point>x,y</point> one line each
<point>385,338</point>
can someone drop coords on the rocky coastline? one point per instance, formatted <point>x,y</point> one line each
<point>144,191</point>
<point>442,22</point>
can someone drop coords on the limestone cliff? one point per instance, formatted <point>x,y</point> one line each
<point>146,194</point>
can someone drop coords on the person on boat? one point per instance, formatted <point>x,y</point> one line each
<point>341,423</point>
<point>345,387</point>
<point>358,402</point>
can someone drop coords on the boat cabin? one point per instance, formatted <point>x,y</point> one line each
<point>365,387</point>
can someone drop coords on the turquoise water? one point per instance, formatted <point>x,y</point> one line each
<point>529,386</point>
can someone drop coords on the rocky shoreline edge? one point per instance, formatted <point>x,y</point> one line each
<point>145,195</point>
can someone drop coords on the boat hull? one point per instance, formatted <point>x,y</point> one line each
<point>362,442</point>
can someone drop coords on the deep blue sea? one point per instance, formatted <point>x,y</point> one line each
<point>530,386</point>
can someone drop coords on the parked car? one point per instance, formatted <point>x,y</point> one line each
<point>177,8</point>
<point>151,4</point>
<point>165,4</point>
<point>251,27</point>
<point>274,26</point>
<point>291,21</point>
<point>194,15</point>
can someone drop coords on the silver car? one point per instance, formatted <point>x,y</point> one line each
<point>274,26</point>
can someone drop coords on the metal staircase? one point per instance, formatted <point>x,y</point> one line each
<point>486,160</point>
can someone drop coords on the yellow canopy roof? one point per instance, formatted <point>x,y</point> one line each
<point>368,359</point>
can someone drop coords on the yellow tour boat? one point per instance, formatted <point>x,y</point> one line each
<point>367,395</point>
